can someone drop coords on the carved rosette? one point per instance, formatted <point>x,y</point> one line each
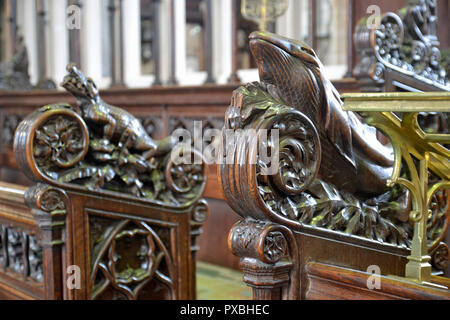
<point>261,240</point>
<point>269,254</point>
<point>275,246</point>
<point>50,140</point>
<point>185,173</point>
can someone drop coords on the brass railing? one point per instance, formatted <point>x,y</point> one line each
<point>395,114</point>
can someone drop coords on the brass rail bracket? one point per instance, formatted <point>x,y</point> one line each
<point>421,152</point>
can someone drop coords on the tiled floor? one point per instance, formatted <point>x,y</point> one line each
<point>217,283</point>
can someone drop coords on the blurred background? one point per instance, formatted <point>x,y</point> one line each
<point>139,43</point>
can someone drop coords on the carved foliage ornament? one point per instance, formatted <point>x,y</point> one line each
<point>406,43</point>
<point>295,195</point>
<point>332,170</point>
<point>59,146</point>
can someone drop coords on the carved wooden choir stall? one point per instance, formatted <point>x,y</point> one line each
<point>110,215</point>
<point>113,215</point>
<point>339,202</point>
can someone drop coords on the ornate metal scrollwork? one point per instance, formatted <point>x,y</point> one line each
<point>421,165</point>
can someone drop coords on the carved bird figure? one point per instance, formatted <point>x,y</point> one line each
<point>352,157</point>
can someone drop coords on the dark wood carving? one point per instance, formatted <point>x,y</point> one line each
<point>104,148</point>
<point>9,127</point>
<point>155,108</point>
<point>152,125</point>
<point>14,73</point>
<point>128,256</point>
<point>110,200</point>
<point>331,180</point>
<point>402,52</point>
<point>20,254</point>
<point>22,264</point>
<point>323,150</point>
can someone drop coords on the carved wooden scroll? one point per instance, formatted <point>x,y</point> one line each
<point>111,201</point>
<point>331,172</point>
<point>402,51</point>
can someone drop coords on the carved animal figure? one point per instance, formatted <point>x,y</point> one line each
<point>352,157</point>
<point>118,125</point>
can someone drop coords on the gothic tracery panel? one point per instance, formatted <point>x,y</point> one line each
<point>129,260</point>
<point>21,253</point>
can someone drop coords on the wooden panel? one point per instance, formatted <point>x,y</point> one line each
<point>335,283</point>
<point>213,240</point>
<point>443,25</point>
<point>336,249</point>
<point>17,228</point>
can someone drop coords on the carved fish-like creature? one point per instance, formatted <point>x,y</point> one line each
<point>352,157</point>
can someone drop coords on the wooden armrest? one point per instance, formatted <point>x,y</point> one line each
<point>331,282</point>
